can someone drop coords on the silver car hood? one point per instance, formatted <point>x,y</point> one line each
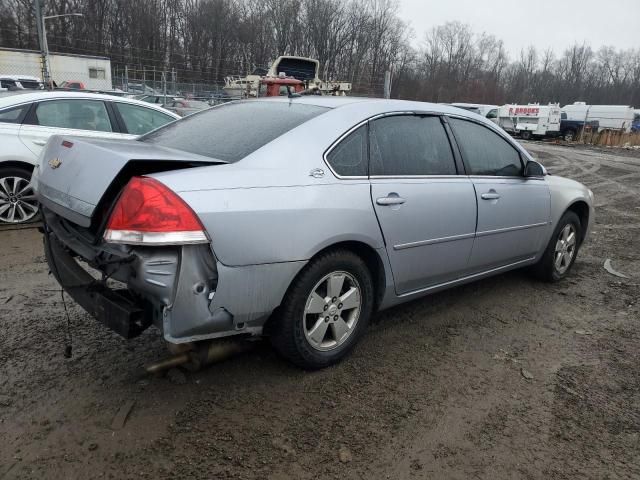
<point>74,173</point>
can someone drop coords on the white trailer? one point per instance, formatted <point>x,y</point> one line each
<point>94,72</point>
<point>532,120</point>
<point>609,117</point>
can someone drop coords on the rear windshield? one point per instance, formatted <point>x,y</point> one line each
<point>232,131</point>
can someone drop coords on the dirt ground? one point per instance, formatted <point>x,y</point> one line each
<point>436,390</point>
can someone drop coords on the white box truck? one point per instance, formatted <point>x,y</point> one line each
<point>532,120</point>
<point>608,117</point>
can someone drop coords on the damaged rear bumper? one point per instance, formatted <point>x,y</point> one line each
<point>182,290</point>
<point>115,308</point>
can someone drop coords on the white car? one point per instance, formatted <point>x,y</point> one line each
<point>28,120</point>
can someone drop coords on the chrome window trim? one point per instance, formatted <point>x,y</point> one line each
<point>416,177</point>
<point>505,177</point>
<point>491,127</point>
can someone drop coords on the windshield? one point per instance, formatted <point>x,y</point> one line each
<point>232,131</point>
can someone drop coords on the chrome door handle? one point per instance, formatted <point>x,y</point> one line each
<point>390,200</point>
<point>42,143</point>
<point>490,196</point>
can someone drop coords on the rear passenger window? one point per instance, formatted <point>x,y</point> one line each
<point>485,152</point>
<point>410,145</point>
<point>349,157</point>
<point>13,115</point>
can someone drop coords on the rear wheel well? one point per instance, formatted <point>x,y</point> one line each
<point>581,209</point>
<point>17,164</point>
<point>372,260</point>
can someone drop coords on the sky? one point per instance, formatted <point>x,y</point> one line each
<point>542,23</point>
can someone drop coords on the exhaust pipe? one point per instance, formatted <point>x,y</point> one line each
<point>195,356</point>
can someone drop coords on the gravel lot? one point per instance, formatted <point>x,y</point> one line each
<point>437,389</point>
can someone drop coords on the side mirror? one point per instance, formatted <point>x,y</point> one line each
<point>534,169</point>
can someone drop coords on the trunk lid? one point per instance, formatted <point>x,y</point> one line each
<point>74,174</point>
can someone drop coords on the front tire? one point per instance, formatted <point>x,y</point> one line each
<point>325,311</point>
<point>17,199</point>
<point>525,135</point>
<point>562,250</point>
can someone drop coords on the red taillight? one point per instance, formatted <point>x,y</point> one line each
<point>149,213</point>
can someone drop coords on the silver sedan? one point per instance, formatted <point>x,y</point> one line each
<point>298,218</point>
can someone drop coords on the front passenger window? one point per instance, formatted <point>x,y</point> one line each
<point>484,151</point>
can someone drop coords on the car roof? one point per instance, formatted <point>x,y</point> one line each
<point>380,105</point>
<point>321,100</point>
<point>10,100</point>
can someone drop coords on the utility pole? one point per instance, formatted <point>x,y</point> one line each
<point>164,87</point>
<point>38,6</point>
<point>387,84</point>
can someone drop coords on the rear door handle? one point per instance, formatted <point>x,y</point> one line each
<point>390,200</point>
<point>490,196</point>
<point>42,143</point>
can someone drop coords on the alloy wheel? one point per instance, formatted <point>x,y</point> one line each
<point>332,311</point>
<point>17,200</point>
<point>565,248</point>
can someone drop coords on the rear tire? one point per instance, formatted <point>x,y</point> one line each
<point>525,135</point>
<point>325,311</point>
<point>17,199</point>
<point>562,250</point>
